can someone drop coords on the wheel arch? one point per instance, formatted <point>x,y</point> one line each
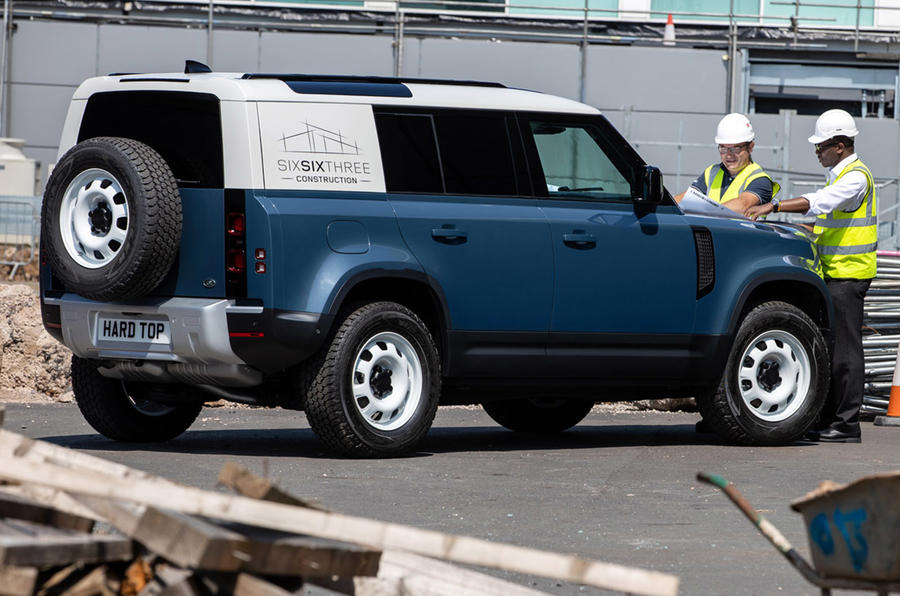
<point>811,298</point>
<point>410,288</point>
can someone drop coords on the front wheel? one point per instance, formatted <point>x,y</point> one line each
<point>538,415</point>
<point>775,381</point>
<point>128,412</point>
<point>375,390</point>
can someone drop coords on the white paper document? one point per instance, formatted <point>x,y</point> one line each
<point>698,203</point>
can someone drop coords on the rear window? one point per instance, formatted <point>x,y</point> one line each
<point>184,128</point>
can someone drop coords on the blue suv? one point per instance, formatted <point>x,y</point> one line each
<point>367,249</point>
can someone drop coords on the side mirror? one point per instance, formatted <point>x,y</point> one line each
<point>652,190</point>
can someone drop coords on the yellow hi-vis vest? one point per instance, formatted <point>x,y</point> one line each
<point>715,174</point>
<point>847,239</point>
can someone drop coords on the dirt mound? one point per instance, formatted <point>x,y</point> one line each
<point>33,365</point>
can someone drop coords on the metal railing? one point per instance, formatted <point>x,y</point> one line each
<point>19,230</point>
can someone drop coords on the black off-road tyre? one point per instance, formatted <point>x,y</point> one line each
<point>775,381</point>
<point>139,228</point>
<point>108,408</point>
<point>538,416</point>
<point>349,423</point>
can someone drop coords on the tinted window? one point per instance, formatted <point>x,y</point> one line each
<point>475,153</point>
<point>184,128</point>
<point>575,165</point>
<point>409,153</point>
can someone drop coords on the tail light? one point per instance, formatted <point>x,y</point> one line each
<point>235,244</point>
<point>236,261</point>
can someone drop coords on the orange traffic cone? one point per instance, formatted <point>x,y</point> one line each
<point>669,33</point>
<point>893,412</point>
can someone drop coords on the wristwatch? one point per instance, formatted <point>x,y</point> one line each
<point>775,205</point>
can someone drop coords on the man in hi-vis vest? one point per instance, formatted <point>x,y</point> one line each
<point>736,182</point>
<point>845,213</point>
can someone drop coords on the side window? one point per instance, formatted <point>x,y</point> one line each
<point>409,153</point>
<point>575,166</point>
<point>475,153</point>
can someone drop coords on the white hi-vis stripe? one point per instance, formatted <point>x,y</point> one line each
<point>859,249</point>
<point>850,222</point>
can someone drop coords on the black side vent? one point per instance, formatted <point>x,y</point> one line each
<point>706,261</point>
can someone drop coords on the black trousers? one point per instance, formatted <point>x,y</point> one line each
<point>848,367</point>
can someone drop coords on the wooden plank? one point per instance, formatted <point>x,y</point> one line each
<point>336,526</point>
<point>191,542</point>
<point>273,552</point>
<point>249,585</point>
<point>13,444</point>
<point>51,497</point>
<point>17,507</point>
<point>31,545</point>
<point>245,482</point>
<point>199,543</point>
<point>422,575</point>
<point>18,581</point>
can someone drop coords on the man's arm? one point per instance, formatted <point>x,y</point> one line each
<point>742,203</point>
<point>699,184</point>
<point>795,205</point>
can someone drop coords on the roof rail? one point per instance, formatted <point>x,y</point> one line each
<point>288,78</point>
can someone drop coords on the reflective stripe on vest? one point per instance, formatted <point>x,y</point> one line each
<point>847,239</point>
<point>715,175</point>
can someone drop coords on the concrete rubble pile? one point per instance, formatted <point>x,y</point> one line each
<point>71,523</point>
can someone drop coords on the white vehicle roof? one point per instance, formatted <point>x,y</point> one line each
<point>263,88</point>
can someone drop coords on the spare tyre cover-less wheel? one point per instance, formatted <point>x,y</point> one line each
<point>111,219</point>
<point>375,389</point>
<point>121,414</point>
<point>538,415</point>
<point>776,378</point>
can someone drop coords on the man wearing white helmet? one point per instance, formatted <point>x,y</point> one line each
<point>846,222</point>
<point>736,182</point>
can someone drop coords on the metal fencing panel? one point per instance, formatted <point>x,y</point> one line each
<point>19,230</point>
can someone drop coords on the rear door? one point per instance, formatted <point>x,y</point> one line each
<point>457,182</point>
<point>625,287</point>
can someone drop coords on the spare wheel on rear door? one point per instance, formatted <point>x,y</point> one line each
<point>111,219</point>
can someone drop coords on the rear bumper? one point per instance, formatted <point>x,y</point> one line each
<point>214,341</point>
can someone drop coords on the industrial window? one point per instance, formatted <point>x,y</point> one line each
<point>409,153</point>
<point>475,153</point>
<point>575,165</point>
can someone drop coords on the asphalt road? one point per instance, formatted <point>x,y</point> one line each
<point>618,488</point>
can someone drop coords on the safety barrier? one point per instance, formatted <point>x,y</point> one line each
<point>19,230</point>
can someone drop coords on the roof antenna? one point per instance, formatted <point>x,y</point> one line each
<point>192,67</point>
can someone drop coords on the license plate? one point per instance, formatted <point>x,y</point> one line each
<point>133,330</point>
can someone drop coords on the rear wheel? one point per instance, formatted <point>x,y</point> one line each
<point>775,381</point>
<point>538,415</point>
<point>128,411</point>
<point>375,390</point>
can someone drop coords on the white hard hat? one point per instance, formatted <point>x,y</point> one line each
<point>834,123</point>
<point>734,128</point>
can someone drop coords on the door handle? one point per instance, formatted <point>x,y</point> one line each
<point>449,235</point>
<point>580,240</point>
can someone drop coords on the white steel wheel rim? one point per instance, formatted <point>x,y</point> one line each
<point>387,381</point>
<point>94,218</point>
<point>774,376</point>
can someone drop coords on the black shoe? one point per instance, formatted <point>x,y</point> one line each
<point>703,428</point>
<point>832,435</point>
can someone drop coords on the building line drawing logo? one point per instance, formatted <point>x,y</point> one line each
<point>316,139</point>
